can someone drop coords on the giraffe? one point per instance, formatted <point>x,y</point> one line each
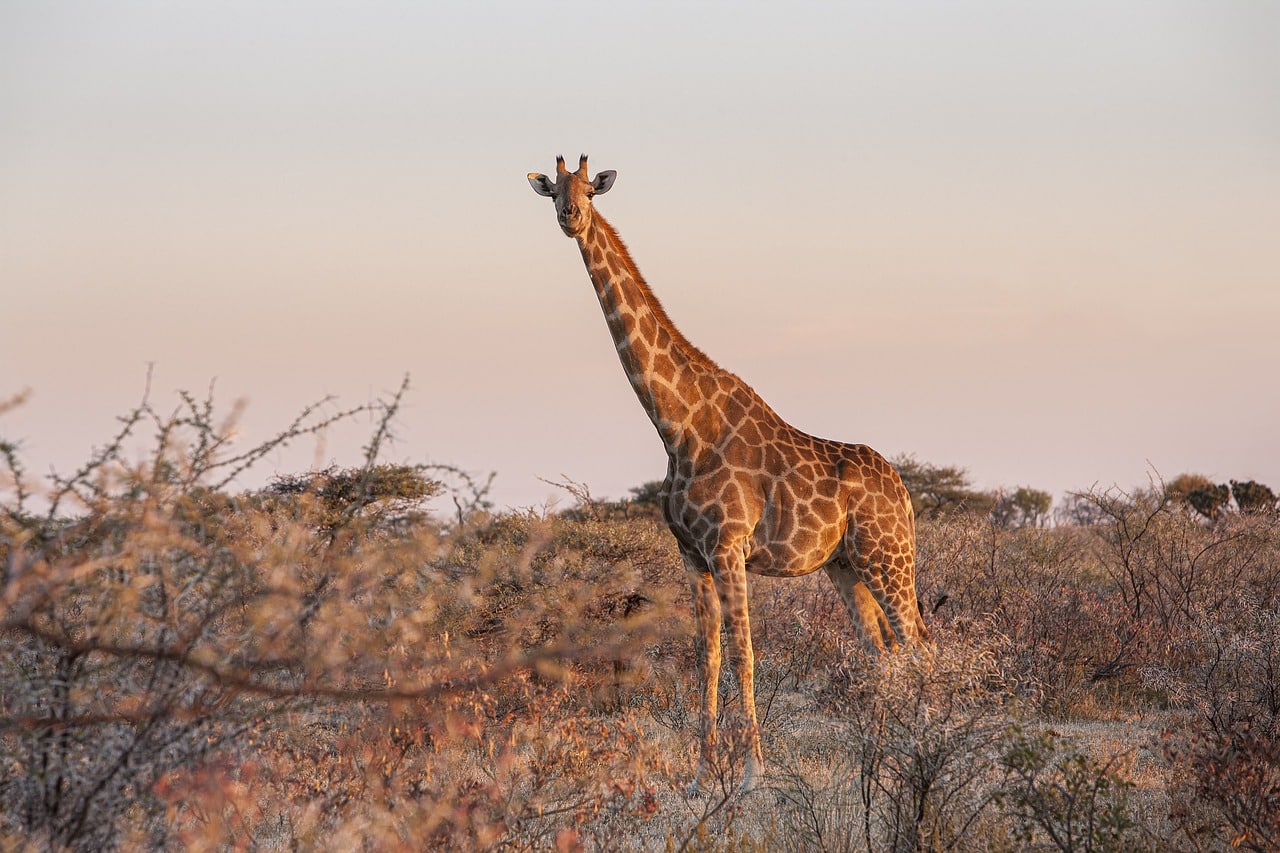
<point>745,491</point>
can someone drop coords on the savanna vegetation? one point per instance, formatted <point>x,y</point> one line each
<point>368,657</point>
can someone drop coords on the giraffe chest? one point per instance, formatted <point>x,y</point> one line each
<point>785,523</point>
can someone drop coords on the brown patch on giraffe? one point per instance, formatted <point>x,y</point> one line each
<point>664,365</point>
<point>826,487</point>
<point>804,540</point>
<point>734,410</point>
<point>731,499</point>
<point>648,327</point>
<point>749,432</point>
<point>824,508</point>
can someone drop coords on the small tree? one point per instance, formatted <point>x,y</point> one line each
<point>1180,487</point>
<point>647,493</point>
<point>1025,507</point>
<point>1210,500</point>
<point>1253,497</point>
<point>646,499</point>
<point>937,489</point>
<point>386,494</point>
<point>1079,509</point>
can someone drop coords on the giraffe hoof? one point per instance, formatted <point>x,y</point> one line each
<point>750,782</point>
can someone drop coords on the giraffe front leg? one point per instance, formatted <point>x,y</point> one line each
<point>706,608</point>
<point>731,578</point>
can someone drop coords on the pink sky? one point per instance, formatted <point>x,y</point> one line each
<point>1037,241</point>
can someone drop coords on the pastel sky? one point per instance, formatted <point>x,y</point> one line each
<point>1037,240</point>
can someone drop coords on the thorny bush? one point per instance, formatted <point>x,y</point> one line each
<point>181,664</point>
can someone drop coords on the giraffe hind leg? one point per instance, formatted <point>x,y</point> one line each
<point>868,616</point>
<point>886,565</point>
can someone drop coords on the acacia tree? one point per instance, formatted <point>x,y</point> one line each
<point>938,489</point>
<point>1024,507</point>
<point>1180,487</point>
<point>1252,497</point>
<point>1211,500</point>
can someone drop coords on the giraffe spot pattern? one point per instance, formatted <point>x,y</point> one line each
<point>745,491</point>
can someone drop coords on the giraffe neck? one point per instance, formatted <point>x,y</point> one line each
<point>659,361</point>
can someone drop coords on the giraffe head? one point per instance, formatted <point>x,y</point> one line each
<point>572,192</point>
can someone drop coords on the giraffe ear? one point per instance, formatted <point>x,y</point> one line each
<point>603,181</point>
<point>542,184</point>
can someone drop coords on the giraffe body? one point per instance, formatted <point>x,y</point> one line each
<point>745,491</point>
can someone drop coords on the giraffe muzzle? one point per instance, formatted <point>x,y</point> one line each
<point>570,219</point>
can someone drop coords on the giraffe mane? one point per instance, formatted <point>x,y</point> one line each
<point>655,305</point>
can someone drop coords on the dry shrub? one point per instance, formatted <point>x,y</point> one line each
<point>1086,610</point>
<point>457,775</point>
<point>910,764</point>
<point>1225,667</point>
<point>323,664</point>
<point>1058,797</point>
<point>1227,790</point>
<point>314,662</point>
<point>1167,568</point>
<point>1226,751</point>
<point>1149,608</point>
<point>1029,591</point>
<point>936,751</point>
<point>614,588</point>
